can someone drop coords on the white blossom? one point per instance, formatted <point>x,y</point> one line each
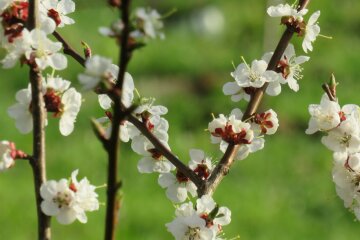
<point>21,111</point>
<point>57,11</point>
<point>149,23</point>
<point>204,223</point>
<point>71,102</point>
<point>98,69</point>
<point>344,138</point>
<point>311,32</point>
<point>200,164</point>
<point>285,10</point>
<point>324,116</point>
<point>114,30</point>
<point>68,201</point>
<point>153,160</point>
<point>235,91</point>
<point>255,75</point>
<point>63,102</point>
<point>177,186</point>
<point>7,155</point>
<point>346,176</point>
<point>230,130</point>
<point>266,122</point>
<point>19,48</point>
<point>127,94</point>
<point>288,69</point>
<point>45,51</point>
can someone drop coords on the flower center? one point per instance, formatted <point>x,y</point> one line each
<point>345,140</point>
<point>202,171</point>
<point>13,19</point>
<point>228,135</point>
<point>156,154</point>
<point>208,220</point>
<point>253,76</point>
<point>193,234</point>
<point>52,13</point>
<point>181,178</point>
<point>53,102</point>
<point>283,67</point>
<point>263,121</point>
<point>62,199</point>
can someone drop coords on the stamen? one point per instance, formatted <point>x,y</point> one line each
<point>137,93</point>
<point>326,37</point>
<point>101,186</point>
<point>247,65</point>
<point>168,14</point>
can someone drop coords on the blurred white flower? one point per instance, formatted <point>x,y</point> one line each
<point>7,155</point>
<point>21,111</point>
<point>149,23</point>
<point>285,10</point>
<point>311,32</point>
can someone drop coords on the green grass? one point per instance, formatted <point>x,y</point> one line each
<point>284,191</point>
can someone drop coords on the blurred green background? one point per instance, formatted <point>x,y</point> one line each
<point>284,191</point>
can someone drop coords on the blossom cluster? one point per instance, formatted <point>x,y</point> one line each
<point>341,126</point>
<point>146,24</point>
<point>199,217</point>
<point>33,47</point>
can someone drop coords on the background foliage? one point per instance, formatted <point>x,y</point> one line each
<point>282,192</point>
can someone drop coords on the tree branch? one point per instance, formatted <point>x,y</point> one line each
<point>125,53</point>
<point>166,152</point>
<point>113,143</point>
<point>227,160</point>
<point>38,113</point>
<point>68,50</point>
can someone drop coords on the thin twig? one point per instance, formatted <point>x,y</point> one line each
<point>166,152</point>
<point>68,50</point>
<point>38,113</point>
<point>227,160</point>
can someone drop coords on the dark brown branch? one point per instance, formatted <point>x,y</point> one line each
<point>68,50</point>
<point>112,207</point>
<point>125,53</point>
<point>227,160</point>
<point>166,152</point>
<point>112,181</point>
<point>38,113</point>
